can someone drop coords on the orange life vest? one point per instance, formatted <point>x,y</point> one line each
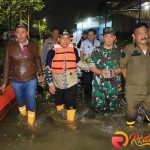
<point>64,60</point>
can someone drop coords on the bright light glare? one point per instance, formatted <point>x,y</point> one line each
<point>89,20</point>
<point>146,5</point>
<point>44,20</point>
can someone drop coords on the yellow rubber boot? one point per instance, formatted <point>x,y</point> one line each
<point>23,110</point>
<point>71,119</point>
<point>148,118</point>
<point>130,123</point>
<point>60,107</point>
<point>31,118</point>
<point>71,114</point>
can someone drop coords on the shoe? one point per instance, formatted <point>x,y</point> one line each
<point>71,119</point>
<point>71,114</point>
<point>60,107</point>
<point>130,123</point>
<point>31,118</point>
<point>23,110</point>
<point>146,120</point>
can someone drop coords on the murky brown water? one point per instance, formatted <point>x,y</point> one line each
<point>53,134</point>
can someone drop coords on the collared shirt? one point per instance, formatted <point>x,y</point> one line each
<point>21,45</point>
<point>48,45</point>
<point>87,46</point>
<point>137,65</point>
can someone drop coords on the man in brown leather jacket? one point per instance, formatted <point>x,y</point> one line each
<point>23,64</point>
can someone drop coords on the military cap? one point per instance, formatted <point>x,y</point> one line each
<point>108,30</point>
<point>65,32</point>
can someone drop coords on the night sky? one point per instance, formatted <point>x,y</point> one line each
<point>62,13</point>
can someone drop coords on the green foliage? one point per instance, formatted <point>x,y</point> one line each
<point>40,26</point>
<point>15,11</point>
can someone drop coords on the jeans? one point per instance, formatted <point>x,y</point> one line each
<point>26,93</point>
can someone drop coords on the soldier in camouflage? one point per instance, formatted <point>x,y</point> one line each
<point>107,80</point>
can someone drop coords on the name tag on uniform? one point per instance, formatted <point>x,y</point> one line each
<point>136,53</point>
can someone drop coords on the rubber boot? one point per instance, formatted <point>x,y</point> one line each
<point>31,118</point>
<point>23,110</point>
<point>60,107</point>
<point>147,120</point>
<point>71,115</point>
<point>130,123</point>
<point>71,119</point>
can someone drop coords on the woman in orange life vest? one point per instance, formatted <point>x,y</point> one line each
<point>61,76</point>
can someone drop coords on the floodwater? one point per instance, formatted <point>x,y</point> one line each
<point>52,133</point>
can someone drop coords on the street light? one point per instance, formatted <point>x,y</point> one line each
<point>146,5</point>
<point>44,19</point>
<point>89,20</point>
<point>39,24</point>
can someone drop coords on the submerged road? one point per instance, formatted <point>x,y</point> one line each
<point>51,133</point>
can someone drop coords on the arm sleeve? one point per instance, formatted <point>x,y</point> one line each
<point>77,55</point>
<point>82,47</point>
<point>79,44</point>
<point>6,70</point>
<point>48,73</point>
<point>92,63</point>
<point>125,55</point>
<point>44,52</point>
<point>38,62</point>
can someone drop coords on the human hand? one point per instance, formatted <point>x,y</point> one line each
<point>52,89</point>
<point>2,87</point>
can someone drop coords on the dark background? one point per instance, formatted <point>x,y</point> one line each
<point>63,13</point>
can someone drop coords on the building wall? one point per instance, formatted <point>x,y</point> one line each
<point>96,23</point>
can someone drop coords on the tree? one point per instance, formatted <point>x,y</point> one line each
<point>18,11</point>
<point>41,27</point>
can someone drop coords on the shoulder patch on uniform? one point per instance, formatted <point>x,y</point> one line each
<point>123,55</point>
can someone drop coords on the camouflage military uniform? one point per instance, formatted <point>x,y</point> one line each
<point>105,91</point>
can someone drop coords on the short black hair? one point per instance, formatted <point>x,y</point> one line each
<point>55,28</point>
<point>139,25</point>
<point>21,26</point>
<point>92,30</point>
<point>84,32</point>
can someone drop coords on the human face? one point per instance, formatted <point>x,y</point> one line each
<point>55,34</point>
<point>109,40</point>
<point>140,36</point>
<point>84,36</point>
<point>21,34</point>
<point>91,36</point>
<point>64,41</point>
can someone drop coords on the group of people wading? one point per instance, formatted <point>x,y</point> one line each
<point>101,63</point>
